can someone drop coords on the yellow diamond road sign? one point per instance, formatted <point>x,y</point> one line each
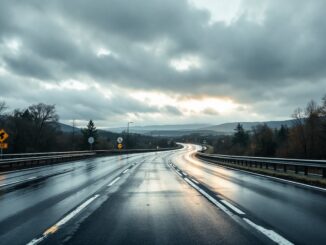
<point>120,146</point>
<point>3,135</point>
<point>3,145</point>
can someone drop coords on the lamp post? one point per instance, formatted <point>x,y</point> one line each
<point>127,141</point>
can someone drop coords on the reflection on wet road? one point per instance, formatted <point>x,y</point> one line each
<point>155,198</point>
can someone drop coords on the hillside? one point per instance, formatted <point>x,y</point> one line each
<point>229,127</point>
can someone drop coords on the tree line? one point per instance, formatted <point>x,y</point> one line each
<point>305,138</point>
<point>37,129</point>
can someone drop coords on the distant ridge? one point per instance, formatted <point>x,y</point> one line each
<point>168,127</point>
<point>229,127</point>
<point>176,130</point>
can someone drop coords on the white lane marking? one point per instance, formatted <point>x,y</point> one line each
<point>184,173</point>
<point>195,181</point>
<point>76,211</point>
<point>269,233</point>
<point>63,221</point>
<point>115,180</point>
<point>30,178</point>
<point>234,208</point>
<point>179,173</point>
<point>36,241</point>
<point>213,200</point>
<point>125,171</point>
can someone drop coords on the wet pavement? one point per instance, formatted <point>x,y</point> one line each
<point>155,198</point>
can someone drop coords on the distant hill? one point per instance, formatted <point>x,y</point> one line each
<point>229,127</point>
<point>67,128</point>
<point>177,130</point>
<point>154,128</point>
<point>178,133</point>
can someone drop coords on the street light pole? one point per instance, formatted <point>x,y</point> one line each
<point>127,145</point>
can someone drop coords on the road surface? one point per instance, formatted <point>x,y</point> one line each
<point>155,198</point>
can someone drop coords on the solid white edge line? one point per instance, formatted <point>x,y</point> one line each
<point>125,171</point>
<point>179,173</point>
<point>213,200</point>
<point>269,233</point>
<point>115,180</point>
<point>234,208</point>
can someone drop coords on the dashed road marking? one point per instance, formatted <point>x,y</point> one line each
<point>210,198</point>
<point>275,237</point>
<point>179,173</point>
<point>195,181</point>
<point>113,182</point>
<point>269,233</point>
<point>234,208</point>
<point>125,171</point>
<point>63,221</point>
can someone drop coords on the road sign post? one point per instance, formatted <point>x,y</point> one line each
<point>91,142</point>
<point>119,141</point>
<point>3,137</point>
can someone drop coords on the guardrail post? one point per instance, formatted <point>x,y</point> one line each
<point>284,168</point>
<point>296,169</point>
<point>305,170</point>
<point>274,166</point>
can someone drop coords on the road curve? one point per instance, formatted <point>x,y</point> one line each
<point>296,212</point>
<point>154,198</point>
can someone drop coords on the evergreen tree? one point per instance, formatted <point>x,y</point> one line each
<point>89,131</point>
<point>241,137</point>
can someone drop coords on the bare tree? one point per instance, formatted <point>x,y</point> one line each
<point>323,107</point>
<point>312,128</point>
<point>3,107</point>
<point>42,115</point>
<point>299,121</point>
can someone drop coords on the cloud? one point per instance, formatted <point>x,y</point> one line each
<point>260,55</point>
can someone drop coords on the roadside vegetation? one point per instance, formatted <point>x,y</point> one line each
<point>305,139</point>
<point>37,129</point>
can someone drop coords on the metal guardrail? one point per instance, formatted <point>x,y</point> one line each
<point>30,159</point>
<point>307,167</point>
<point>38,154</point>
<point>49,159</point>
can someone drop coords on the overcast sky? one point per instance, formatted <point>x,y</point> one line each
<point>163,61</point>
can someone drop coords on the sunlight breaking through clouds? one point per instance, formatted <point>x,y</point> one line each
<point>190,106</point>
<point>186,63</point>
<point>192,61</point>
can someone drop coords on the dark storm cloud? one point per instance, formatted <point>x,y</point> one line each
<point>250,62</point>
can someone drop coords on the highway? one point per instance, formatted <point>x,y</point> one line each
<point>156,198</point>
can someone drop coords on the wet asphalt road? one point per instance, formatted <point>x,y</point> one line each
<point>147,199</point>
